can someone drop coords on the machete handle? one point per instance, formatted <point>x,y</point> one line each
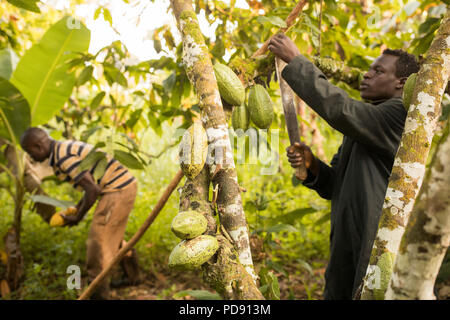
<point>300,172</point>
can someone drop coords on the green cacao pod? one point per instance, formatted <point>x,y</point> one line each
<point>385,266</point>
<point>240,118</point>
<point>191,254</point>
<point>189,224</point>
<point>231,88</point>
<point>193,150</point>
<point>408,89</point>
<point>260,107</point>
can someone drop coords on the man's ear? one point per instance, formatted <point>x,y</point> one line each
<point>401,83</point>
<point>39,145</point>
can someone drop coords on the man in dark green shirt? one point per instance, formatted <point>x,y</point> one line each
<point>357,178</point>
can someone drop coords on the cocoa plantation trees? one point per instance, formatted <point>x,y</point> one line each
<point>30,95</point>
<point>426,238</point>
<point>265,236</point>
<point>224,274</point>
<point>409,166</point>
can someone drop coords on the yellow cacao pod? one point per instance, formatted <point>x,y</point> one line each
<point>58,221</point>
<point>193,150</point>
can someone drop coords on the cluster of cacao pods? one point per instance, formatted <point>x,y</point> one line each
<point>195,248</point>
<point>258,108</point>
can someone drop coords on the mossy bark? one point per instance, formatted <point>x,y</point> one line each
<point>409,165</point>
<point>338,71</point>
<point>227,276</point>
<point>194,196</point>
<point>427,235</point>
<point>220,168</point>
<point>250,70</point>
<point>223,272</point>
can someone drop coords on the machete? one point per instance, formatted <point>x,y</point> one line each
<point>290,115</point>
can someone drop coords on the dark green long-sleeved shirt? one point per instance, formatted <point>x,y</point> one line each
<point>356,181</point>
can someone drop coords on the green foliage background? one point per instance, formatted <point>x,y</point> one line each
<point>109,109</point>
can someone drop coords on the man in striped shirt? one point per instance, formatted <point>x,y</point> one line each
<point>115,187</point>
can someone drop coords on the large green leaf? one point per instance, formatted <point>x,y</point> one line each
<point>30,5</point>
<point>14,111</point>
<point>128,160</point>
<point>42,74</point>
<point>281,227</point>
<point>8,62</point>
<point>269,284</point>
<point>52,201</point>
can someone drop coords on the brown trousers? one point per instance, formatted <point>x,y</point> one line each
<point>106,233</point>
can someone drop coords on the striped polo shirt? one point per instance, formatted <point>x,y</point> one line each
<point>65,159</point>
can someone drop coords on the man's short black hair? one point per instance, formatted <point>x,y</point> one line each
<point>33,133</point>
<point>406,63</point>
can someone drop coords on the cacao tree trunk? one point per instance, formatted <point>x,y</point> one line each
<point>220,168</point>
<point>14,264</point>
<point>224,273</point>
<point>409,165</point>
<point>427,235</point>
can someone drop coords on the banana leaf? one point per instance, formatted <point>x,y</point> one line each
<point>42,75</point>
<point>8,62</point>
<point>14,112</point>
<point>30,5</point>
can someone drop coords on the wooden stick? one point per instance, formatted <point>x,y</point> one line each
<point>122,252</point>
<point>289,22</point>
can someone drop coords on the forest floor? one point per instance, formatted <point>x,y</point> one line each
<point>164,284</point>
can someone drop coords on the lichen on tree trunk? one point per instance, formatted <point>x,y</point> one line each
<point>338,71</point>
<point>220,162</point>
<point>409,165</point>
<point>224,272</point>
<point>427,234</point>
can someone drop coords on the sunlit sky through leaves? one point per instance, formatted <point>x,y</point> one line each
<point>133,23</point>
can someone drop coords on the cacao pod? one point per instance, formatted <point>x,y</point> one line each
<point>189,224</point>
<point>58,221</point>
<point>385,264</point>
<point>408,89</point>
<point>240,118</point>
<point>231,88</point>
<point>193,150</point>
<point>191,254</point>
<point>260,107</point>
